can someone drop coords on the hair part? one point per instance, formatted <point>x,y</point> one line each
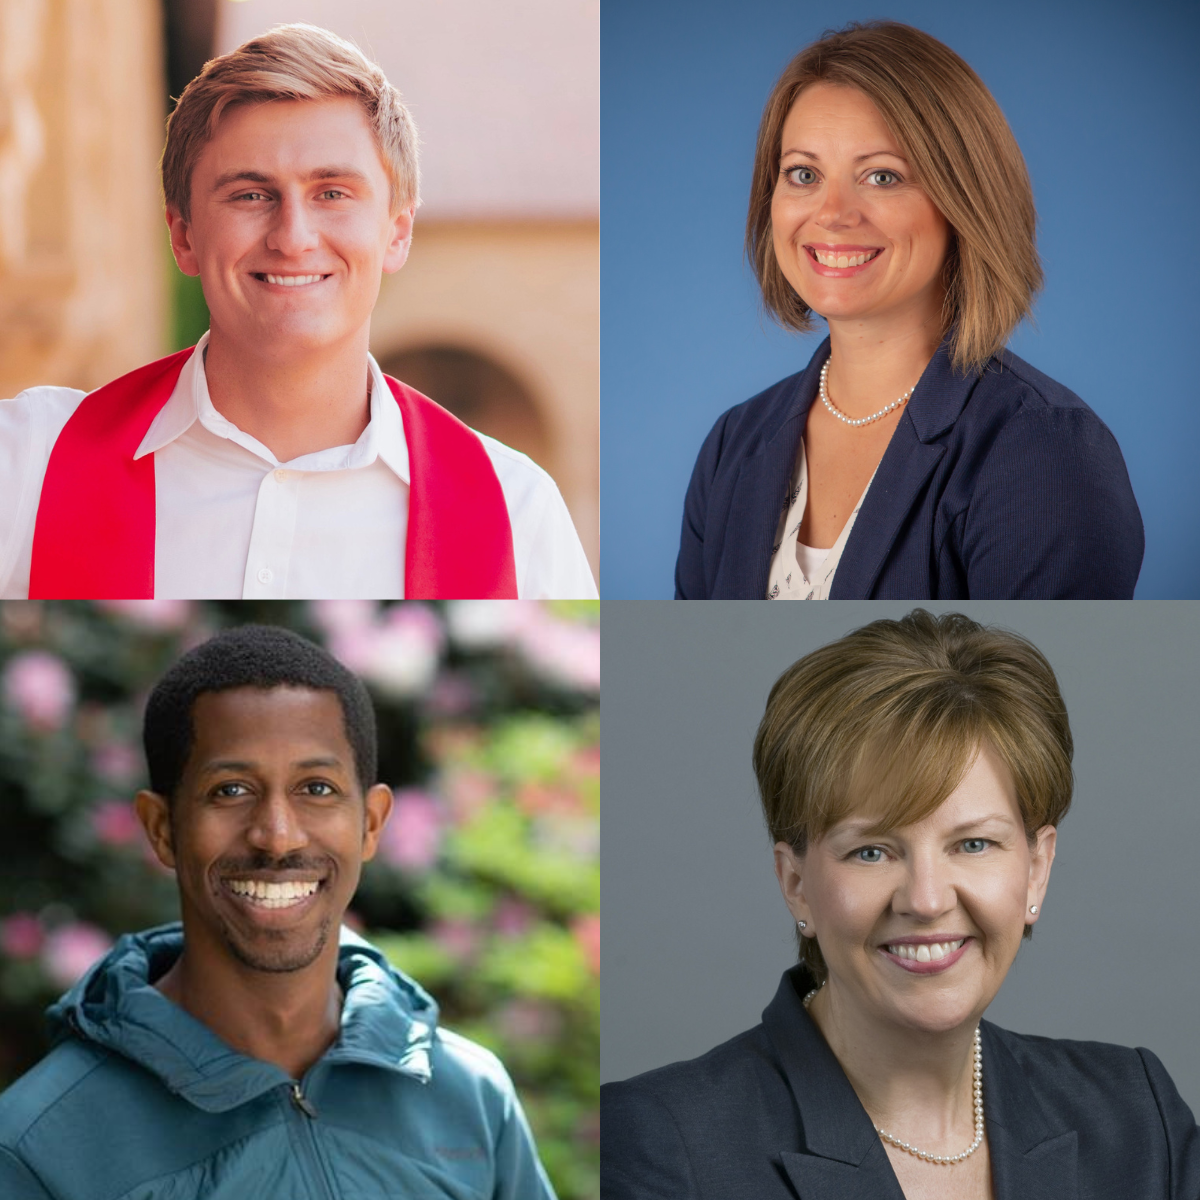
<point>254,656</point>
<point>964,156</point>
<point>290,62</point>
<point>886,721</point>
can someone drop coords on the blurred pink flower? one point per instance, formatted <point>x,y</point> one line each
<point>412,837</point>
<point>451,696</point>
<point>565,652</point>
<point>71,950</point>
<point>117,762</point>
<point>529,1021</point>
<point>457,936</point>
<point>478,624</point>
<point>39,685</point>
<point>408,646</point>
<point>512,917</point>
<point>586,761</point>
<point>468,791</point>
<point>343,616</point>
<point>586,929</point>
<point>115,823</point>
<point>161,615</point>
<point>534,798</point>
<point>21,935</point>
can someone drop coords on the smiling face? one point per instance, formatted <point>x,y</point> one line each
<point>269,827</point>
<point>853,233</point>
<point>919,926</point>
<point>290,229</point>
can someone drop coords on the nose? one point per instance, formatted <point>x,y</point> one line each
<point>294,229</point>
<point>274,827</point>
<point>838,206</point>
<point>927,890</point>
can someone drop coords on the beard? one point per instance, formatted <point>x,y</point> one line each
<point>278,950</point>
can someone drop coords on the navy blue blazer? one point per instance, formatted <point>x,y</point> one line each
<point>1000,485</point>
<point>771,1115</point>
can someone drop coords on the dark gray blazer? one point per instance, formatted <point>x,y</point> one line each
<point>772,1115</point>
<point>998,486</point>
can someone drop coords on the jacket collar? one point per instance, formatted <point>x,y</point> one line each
<point>388,1021</point>
<point>937,402</point>
<point>841,1157</point>
<point>911,456</point>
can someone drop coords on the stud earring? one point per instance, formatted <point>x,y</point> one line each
<point>1033,908</point>
<point>802,925</point>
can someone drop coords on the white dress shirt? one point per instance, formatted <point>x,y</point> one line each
<point>233,521</point>
<point>800,572</point>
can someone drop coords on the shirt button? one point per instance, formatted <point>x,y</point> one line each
<point>265,575</point>
<point>280,476</point>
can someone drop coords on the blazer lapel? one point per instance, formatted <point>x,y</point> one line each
<point>1034,1155</point>
<point>841,1156</point>
<point>908,462</point>
<point>759,492</point>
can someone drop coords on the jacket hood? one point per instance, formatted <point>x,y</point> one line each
<point>388,1021</point>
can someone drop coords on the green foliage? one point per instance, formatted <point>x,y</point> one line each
<point>486,885</point>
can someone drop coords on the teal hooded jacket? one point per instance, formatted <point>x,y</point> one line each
<point>140,1101</point>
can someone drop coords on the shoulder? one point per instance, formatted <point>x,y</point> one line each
<point>471,1076</point>
<point>1032,405</point>
<point>1094,1079</point>
<point>697,1088</point>
<point>68,1084</point>
<point>741,430</point>
<point>517,472</point>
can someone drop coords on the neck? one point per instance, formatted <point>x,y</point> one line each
<point>916,1085</point>
<point>295,399</point>
<point>870,365</point>
<point>286,1018</point>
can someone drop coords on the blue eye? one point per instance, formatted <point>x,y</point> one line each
<point>869,854</point>
<point>891,174</point>
<point>976,845</point>
<point>795,171</point>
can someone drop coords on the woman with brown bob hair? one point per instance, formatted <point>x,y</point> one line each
<point>914,457</point>
<point>912,776</point>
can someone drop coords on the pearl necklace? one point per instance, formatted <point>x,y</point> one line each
<point>841,416</point>
<point>977,1095</point>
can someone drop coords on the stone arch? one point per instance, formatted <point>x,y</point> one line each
<point>479,390</point>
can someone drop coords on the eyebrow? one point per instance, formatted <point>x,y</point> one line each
<point>234,764</point>
<point>335,172</point>
<point>865,828</point>
<point>860,158</point>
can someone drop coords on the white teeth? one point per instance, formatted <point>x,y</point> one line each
<point>929,952</point>
<point>272,895</point>
<point>844,260</point>
<point>294,280</point>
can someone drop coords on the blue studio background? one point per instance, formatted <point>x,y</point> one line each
<point>1104,100</point>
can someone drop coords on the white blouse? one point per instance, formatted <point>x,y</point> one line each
<point>800,572</point>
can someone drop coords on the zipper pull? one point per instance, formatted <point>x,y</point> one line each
<point>302,1102</point>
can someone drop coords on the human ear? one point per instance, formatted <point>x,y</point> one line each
<point>181,243</point>
<point>400,229</point>
<point>1041,858</point>
<point>789,870</point>
<point>154,812</point>
<point>378,803</point>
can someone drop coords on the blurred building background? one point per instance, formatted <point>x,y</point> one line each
<point>496,314</point>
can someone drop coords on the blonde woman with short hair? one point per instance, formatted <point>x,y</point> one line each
<point>913,775</point>
<point>274,459</point>
<point>914,457</point>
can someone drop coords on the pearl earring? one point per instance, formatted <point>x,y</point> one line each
<point>1033,908</point>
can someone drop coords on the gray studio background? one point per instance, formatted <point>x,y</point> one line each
<point>696,934</point>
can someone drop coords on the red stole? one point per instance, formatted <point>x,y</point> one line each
<point>94,536</point>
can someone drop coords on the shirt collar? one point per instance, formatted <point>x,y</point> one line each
<point>190,402</point>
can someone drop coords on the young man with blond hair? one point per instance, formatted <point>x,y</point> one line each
<point>274,459</point>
